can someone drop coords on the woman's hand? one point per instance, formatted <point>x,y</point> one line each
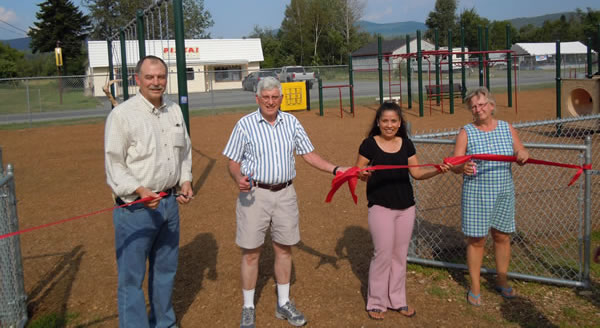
<point>470,168</point>
<point>364,175</point>
<point>522,156</point>
<point>443,168</point>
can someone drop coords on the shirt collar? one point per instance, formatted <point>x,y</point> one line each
<point>150,107</point>
<point>260,118</point>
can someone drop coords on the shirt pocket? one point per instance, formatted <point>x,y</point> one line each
<point>178,135</point>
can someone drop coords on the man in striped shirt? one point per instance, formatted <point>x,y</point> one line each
<point>262,164</point>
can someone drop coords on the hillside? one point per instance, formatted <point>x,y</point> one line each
<point>399,29</point>
<point>21,44</point>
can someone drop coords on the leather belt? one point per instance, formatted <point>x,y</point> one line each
<point>169,192</point>
<point>273,187</point>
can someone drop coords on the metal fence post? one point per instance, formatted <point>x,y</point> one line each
<point>28,104</point>
<point>587,214</point>
<point>13,301</point>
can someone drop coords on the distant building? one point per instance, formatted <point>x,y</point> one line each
<point>543,54</point>
<point>366,57</point>
<point>211,64</point>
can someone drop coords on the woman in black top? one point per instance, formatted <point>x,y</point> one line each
<point>391,208</point>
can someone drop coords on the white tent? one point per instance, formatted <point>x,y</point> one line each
<point>549,48</point>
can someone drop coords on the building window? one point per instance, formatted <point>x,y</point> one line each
<point>189,73</point>
<point>228,73</point>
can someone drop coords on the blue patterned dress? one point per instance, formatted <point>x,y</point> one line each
<point>488,197</point>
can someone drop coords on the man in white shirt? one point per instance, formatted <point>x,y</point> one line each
<point>147,151</point>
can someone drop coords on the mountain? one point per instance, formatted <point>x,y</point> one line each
<point>21,44</point>
<point>538,21</point>
<point>400,29</point>
<point>390,30</point>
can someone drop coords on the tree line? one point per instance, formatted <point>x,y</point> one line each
<point>576,27</point>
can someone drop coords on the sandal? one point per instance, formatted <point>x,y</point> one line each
<point>506,292</point>
<point>405,311</point>
<point>376,314</point>
<point>476,298</point>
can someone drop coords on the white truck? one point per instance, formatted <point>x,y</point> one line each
<point>296,74</point>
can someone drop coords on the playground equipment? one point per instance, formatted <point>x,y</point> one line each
<point>578,96</point>
<point>581,96</point>
<point>440,90</point>
<point>350,87</point>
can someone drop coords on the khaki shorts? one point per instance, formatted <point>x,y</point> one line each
<point>260,208</point>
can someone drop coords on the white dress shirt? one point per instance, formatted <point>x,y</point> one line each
<point>145,146</point>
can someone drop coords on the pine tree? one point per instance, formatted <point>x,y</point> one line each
<point>60,20</point>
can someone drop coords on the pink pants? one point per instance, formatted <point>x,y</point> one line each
<point>391,231</point>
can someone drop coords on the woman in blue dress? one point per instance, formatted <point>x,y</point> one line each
<point>488,195</point>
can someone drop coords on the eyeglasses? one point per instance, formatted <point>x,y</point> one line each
<point>479,106</point>
<point>272,98</point>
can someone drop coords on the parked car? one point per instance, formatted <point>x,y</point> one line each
<point>250,82</point>
<point>296,74</point>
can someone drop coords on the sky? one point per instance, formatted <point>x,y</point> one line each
<point>236,18</point>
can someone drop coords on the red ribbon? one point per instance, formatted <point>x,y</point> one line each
<point>351,175</point>
<point>149,198</point>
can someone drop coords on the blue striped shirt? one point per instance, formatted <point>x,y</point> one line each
<point>265,151</point>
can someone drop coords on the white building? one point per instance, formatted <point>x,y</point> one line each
<point>542,54</point>
<point>366,57</point>
<point>211,64</point>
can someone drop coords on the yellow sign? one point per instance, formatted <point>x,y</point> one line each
<point>294,96</point>
<point>58,55</point>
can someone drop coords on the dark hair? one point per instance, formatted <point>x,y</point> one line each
<point>388,105</point>
<point>138,67</point>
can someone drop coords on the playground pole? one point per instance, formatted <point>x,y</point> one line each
<point>111,74</point>
<point>408,72</point>
<point>480,56</point>
<point>487,58</point>
<point>320,97</point>
<point>558,91</point>
<point>380,68</point>
<point>508,66</point>
<point>420,72</point>
<point>589,58</point>
<point>450,72</point>
<point>140,33</point>
<point>124,81</point>
<point>351,80</point>
<point>462,67</point>
<point>437,67</point>
<point>181,69</point>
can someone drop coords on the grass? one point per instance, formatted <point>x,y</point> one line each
<point>43,97</point>
<point>54,320</point>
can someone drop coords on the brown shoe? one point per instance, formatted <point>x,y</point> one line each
<point>376,314</point>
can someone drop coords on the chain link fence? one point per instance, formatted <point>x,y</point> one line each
<point>13,300</point>
<point>552,242</point>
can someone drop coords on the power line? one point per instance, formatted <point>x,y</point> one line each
<point>12,31</point>
<point>18,28</point>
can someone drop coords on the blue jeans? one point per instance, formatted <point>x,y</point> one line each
<point>144,234</point>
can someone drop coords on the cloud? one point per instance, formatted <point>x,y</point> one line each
<point>8,15</point>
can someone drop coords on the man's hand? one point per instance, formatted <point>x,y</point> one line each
<point>186,194</point>
<point>144,192</point>
<point>245,183</point>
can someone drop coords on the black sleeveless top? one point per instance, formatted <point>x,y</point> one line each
<point>389,188</point>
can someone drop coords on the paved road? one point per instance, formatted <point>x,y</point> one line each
<point>235,98</point>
